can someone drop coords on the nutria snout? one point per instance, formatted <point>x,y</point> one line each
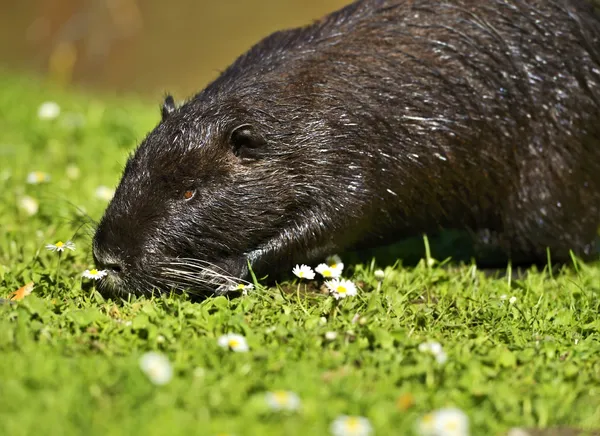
<point>383,120</point>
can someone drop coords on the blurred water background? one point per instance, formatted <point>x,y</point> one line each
<point>140,47</point>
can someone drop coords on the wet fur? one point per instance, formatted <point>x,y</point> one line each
<point>386,119</point>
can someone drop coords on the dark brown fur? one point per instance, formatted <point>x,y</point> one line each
<point>385,119</point>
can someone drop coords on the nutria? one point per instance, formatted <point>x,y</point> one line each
<point>382,120</point>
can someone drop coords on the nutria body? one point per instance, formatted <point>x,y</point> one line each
<point>383,120</point>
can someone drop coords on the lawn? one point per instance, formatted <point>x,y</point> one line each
<point>516,353</point>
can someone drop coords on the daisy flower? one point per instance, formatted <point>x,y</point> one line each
<point>426,425</point>
<point>242,287</point>
<point>379,274</point>
<point>328,271</point>
<point>444,422</point>
<point>511,300</point>
<point>283,400</point>
<point>341,288</point>
<point>432,347</point>
<point>436,349</point>
<point>61,246</point>
<point>94,274</point>
<point>157,367</point>
<point>304,272</point>
<point>29,205</point>
<point>345,425</point>
<point>37,177</point>
<point>335,261</point>
<point>330,336</point>
<point>73,172</point>
<point>104,193</point>
<point>441,358</point>
<point>234,342</point>
<point>48,110</point>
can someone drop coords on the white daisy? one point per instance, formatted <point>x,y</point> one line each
<point>432,347</point>
<point>29,205</point>
<point>48,110</point>
<point>242,287</point>
<point>304,272</point>
<point>341,288</point>
<point>441,357</point>
<point>73,172</point>
<point>104,193</point>
<point>331,336</point>
<point>94,274</point>
<point>450,422</point>
<point>61,246</point>
<point>157,367</point>
<point>37,177</point>
<point>345,425</point>
<point>283,400</point>
<point>335,261</point>
<point>234,342</point>
<point>328,271</point>
<point>512,300</point>
<point>379,274</point>
<point>426,425</point>
<point>436,349</point>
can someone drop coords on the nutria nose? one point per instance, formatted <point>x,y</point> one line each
<point>107,261</point>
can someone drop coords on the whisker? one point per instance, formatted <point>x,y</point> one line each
<point>192,276</point>
<point>204,267</point>
<point>180,275</point>
<point>195,276</point>
<point>193,263</point>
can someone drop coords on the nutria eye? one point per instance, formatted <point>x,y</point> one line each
<point>189,194</point>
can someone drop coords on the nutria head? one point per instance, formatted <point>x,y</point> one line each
<point>205,194</point>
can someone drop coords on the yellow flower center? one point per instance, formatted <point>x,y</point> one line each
<point>451,426</point>
<point>94,272</point>
<point>233,343</point>
<point>327,273</point>
<point>280,396</point>
<point>427,420</point>
<point>341,289</point>
<point>240,286</point>
<point>333,265</point>
<point>353,424</point>
<point>59,244</point>
<point>301,274</point>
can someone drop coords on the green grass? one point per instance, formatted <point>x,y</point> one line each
<point>69,359</point>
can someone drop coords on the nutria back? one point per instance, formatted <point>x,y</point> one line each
<point>383,120</point>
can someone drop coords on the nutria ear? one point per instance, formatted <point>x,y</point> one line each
<point>168,107</point>
<point>245,140</point>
